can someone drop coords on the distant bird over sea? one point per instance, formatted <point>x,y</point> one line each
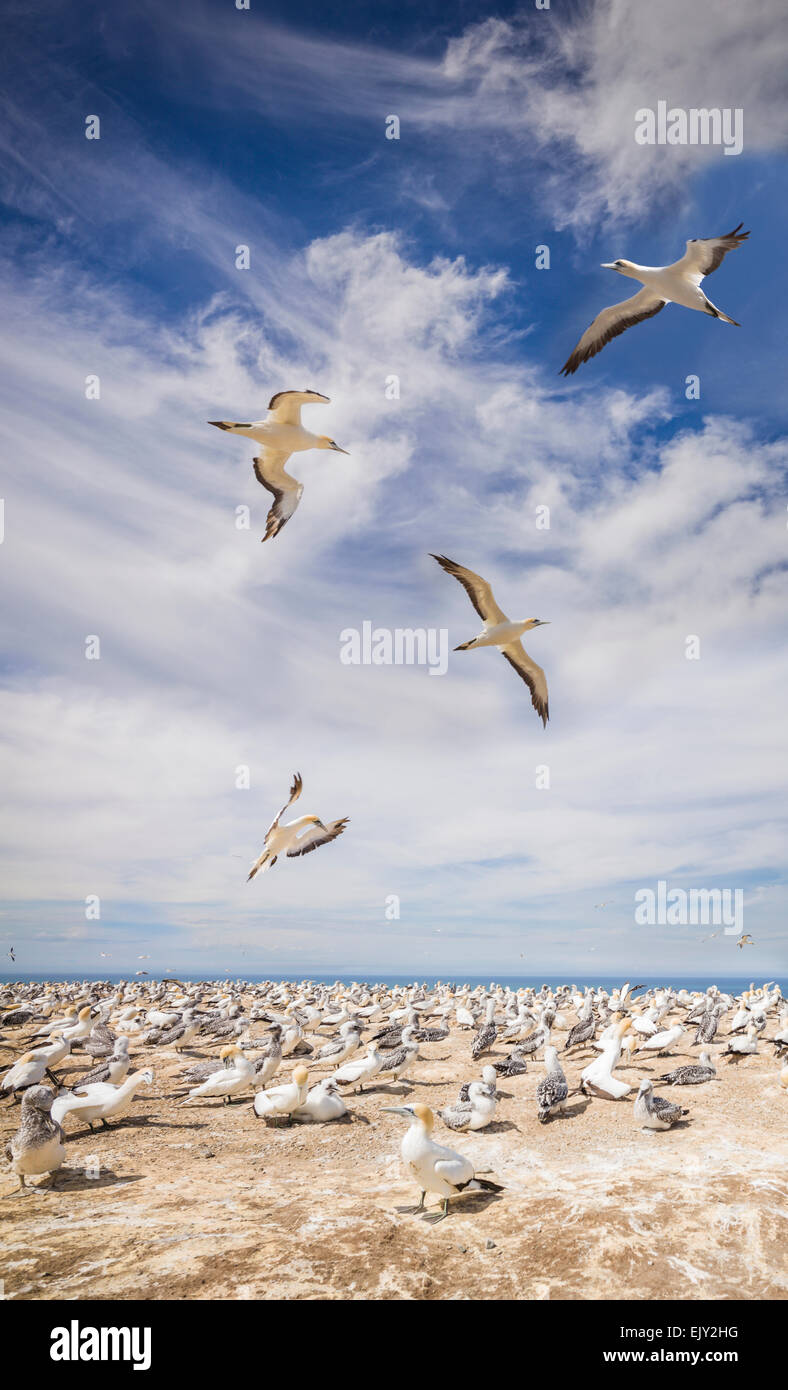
<point>678,283</point>
<point>288,839</point>
<point>501,632</point>
<point>281,434</point>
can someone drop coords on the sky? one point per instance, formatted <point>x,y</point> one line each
<point>372,259</point>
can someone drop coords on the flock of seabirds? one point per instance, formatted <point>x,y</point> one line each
<point>111,1034</point>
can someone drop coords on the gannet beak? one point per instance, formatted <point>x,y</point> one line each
<point>395,1110</point>
<point>337,449</point>
<point>606,265</point>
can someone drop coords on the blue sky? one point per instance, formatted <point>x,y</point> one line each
<point>372,257</point>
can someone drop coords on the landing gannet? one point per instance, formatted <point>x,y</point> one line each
<point>281,434</point>
<point>286,839</point>
<point>695,1074</point>
<point>678,283</point>
<point>37,1146</point>
<point>654,1112</point>
<point>552,1091</point>
<point>281,1101</point>
<point>435,1168</point>
<point>502,633</point>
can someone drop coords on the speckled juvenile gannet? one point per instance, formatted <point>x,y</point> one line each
<point>552,1091</point>
<point>501,632</point>
<point>435,1168</point>
<point>37,1146</point>
<point>281,434</point>
<point>114,1069</point>
<point>678,283</point>
<point>654,1112</point>
<point>288,839</point>
<point>280,1101</point>
<point>695,1074</point>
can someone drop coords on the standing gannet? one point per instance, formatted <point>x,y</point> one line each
<point>361,1069</point>
<point>487,1034</point>
<point>662,1042</point>
<point>552,1091</point>
<point>597,1079</point>
<point>585,1027</point>
<point>435,1168</point>
<point>287,839</point>
<point>323,1103</point>
<point>678,283</point>
<point>37,1146</point>
<point>654,1112</point>
<point>281,434</point>
<point>502,633</point>
<point>114,1069</point>
<point>235,1076</point>
<point>695,1074</point>
<point>100,1101</point>
<point>281,1101</point>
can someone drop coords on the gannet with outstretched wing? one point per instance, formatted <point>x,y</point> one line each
<point>281,434</point>
<point>502,633</point>
<point>678,283</point>
<point>288,839</point>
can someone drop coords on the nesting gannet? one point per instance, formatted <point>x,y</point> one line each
<point>37,1146</point>
<point>654,1112</point>
<point>502,633</point>
<point>678,283</point>
<point>489,1079</point>
<point>28,1071</point>
<point>745,1046</point>
<point>435,1168</point>
<point>662,1042</point>
<point>597,1079</point>
<point>281,434</point>
<point>280,1101</point>
<point>323,1103</point>
<point>237,1075</point>
<point>474,1113</point>
<point>552,1091</point>
<point>100,1101</point>
<point>695,1074</point>
<point>287,839</point>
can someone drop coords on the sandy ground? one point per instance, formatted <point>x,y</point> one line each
<point>207,1202</point>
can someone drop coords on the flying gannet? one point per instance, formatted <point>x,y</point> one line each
<point>287,839</point>
<point>678,283</point>
<point>502,633</point>
<point>435,1168</point>
<point>281,434</point>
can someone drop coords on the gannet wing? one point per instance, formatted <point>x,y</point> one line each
<point>316,836</point>
<point>269,470</point>
<point>609,323</point>
<point>295,792</point>
<point>456,1170</point>
<point>478,590</point>
<point>533,676</point>
<point>704,254</point>
<point>285,406</point>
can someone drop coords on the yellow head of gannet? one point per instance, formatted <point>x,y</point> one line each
<point>623,1027</point>
<point>300,1075</point>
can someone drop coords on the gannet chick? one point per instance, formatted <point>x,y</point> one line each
<point>339,1049</point>
<point>489,1079</point>
<point>474,1113</point>
<point>229,1080</point>
<point>267,1065</point>
<point>693,1075</point>
<point>435,1168</point>
<point>487,1034</point>
<point>552,1091</point>
<point>281,1101</point>
<point>654,1112</point>
<point>585,1027</point>
<point>397,1063</point>
<point>322,1104</point>
<point>37,1146</point>
<point>115,1069</point>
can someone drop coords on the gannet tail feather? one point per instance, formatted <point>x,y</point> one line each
<point>480,1185</point>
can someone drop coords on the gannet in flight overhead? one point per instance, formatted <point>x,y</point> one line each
<point>678,283</point>
<point>287,839</point>
<point>281,434</point>
<point>502,633</point>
